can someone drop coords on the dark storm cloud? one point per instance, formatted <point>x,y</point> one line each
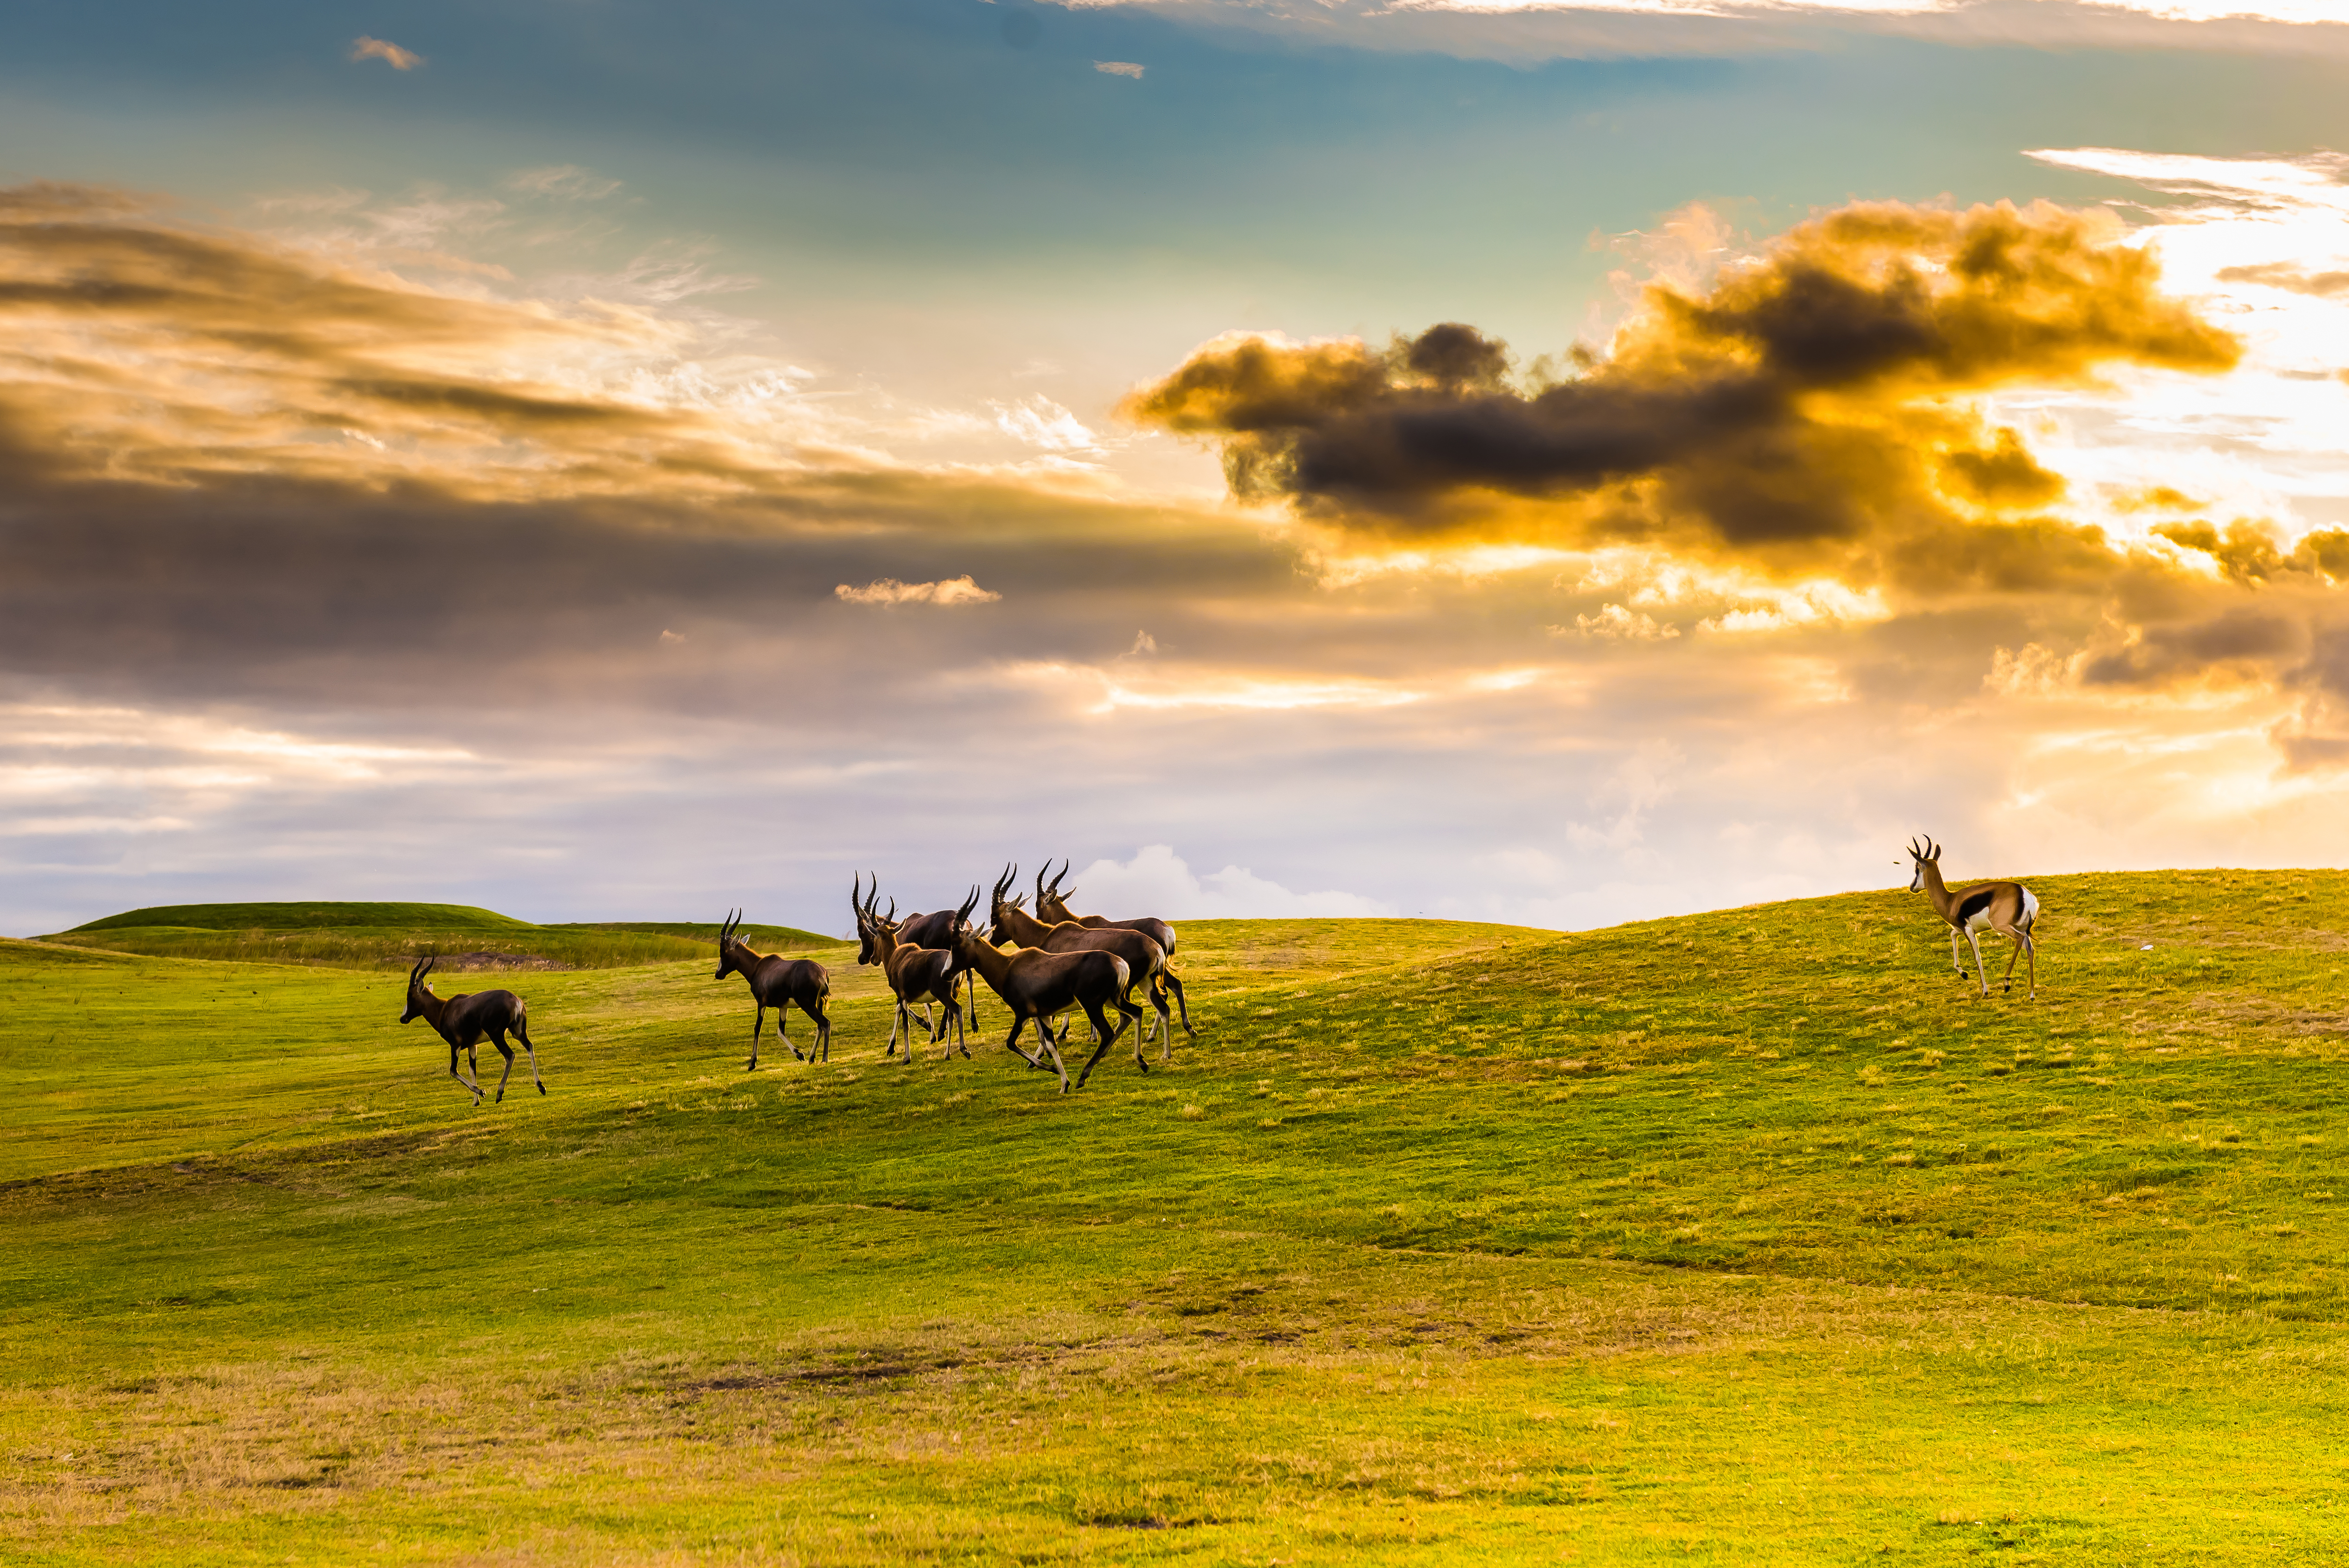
<point>1796,411</point>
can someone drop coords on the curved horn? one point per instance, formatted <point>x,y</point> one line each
<point>963,913</point>
<point>1056,880</point>
<point>893,911</point>
<point>425,968</point>
<point>415,972</point>
<point>1003,884</point>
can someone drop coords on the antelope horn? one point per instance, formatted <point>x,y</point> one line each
<point>963,913</point>
<point>1003,884</point>
<point>1056,880</point>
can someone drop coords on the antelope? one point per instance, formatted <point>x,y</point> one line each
<point>1051,905</point>
<point>1036,984</point>
<point>915,973</point>
<point>933,930</point>
<point>1146,961</point>
<point>2005,907</point>
<point>462,1020</point>
<point>775,981</point>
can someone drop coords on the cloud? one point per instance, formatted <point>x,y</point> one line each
<point>1118,68</point>
<point>564,182</point>
<point>889,591</point>
<point>365,48</point>
<point>1616,622</point>
<point>1809,407</point>
<point>1157,882</point>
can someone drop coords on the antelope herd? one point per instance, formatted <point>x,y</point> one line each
<point>1059,963</point>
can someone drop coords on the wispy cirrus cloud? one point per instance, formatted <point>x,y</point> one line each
<point>365,48</point>
<point>889,591</point>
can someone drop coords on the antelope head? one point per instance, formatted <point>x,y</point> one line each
<point>1925,856</point>
<point>998,905</point>
<point>862,904</point>
<point>417,989</point>
<point>730,950</point>
<point>1052,902</point>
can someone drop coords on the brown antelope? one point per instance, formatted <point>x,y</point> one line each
<point>916,974</point>
<point>933,930</point>
<point>1036,984</point>
<point>1146,961</point>
<point>464,1020</point>
<point>2005,907</point>
<point>1051,905</point>
<point>775,981</point>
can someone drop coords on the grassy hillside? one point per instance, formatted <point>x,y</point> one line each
<point>1748,1237</point>
<point>380,935</point>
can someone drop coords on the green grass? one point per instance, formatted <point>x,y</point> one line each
<point>1748,1237</point>
<point>385,935</point>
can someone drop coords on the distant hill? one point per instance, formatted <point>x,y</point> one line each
<point>370,935</point>
<point>310,917</point>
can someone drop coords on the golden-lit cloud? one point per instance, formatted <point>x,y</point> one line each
<point>1813,408</point>
<point>889,591</point>
<point>365,48</point>
<point>139,347</point>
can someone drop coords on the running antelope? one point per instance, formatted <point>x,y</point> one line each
<point>923,975</point>
<point>2005,907</point>
<point>1051,905</point>
<point>463,1020</point>
<point>776,982</point>
<point>1036,984</point>
<point>1146,961</point>
<point>933,930</point>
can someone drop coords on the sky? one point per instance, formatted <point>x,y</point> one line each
<point>1551,463</point>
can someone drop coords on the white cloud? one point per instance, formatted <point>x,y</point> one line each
<point>889,591</point>
<point>365,48</point>
<point>566,182</point>
<point>1118,68</point>
<point>1616,623</point>
<point>1038,421</point>
<point>1157,882</point>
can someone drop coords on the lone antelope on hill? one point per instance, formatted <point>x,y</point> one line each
<point>463,1020</point>
<point>775,981</point>
<point>1052,907</point>
<point>2005,907</point>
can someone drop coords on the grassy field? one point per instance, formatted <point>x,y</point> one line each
<point>394,935</point>
<point>1749,1237</point>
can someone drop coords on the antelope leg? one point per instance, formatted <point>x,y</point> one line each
<point>1975,942</point>
<point>757,1021</point>
<point>1174,984</point>
<point>506,1051</point>
<point>1011,1041</point>
<point>453,1049</point>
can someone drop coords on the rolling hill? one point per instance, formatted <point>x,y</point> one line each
<point>1743,1237</point>
<point>374,936</point>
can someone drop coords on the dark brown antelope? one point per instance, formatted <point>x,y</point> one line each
<point>1036,984</point>
<point>934,930</point>
<point>1051,905</point>
<point>1146,961</point>
<point>916,974</point>
<point>2005,907</point>
<point>465,1020</point>
<point>777,982</point>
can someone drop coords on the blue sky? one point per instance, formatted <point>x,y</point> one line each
<point>858,291</point>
